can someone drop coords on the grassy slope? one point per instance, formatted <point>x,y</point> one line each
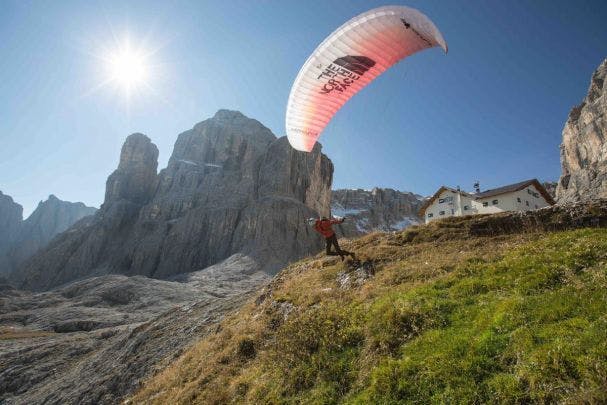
<point>508,319</point>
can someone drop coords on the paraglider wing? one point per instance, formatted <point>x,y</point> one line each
<point>348,60</point>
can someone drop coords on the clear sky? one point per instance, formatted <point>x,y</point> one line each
<point>491,110</point>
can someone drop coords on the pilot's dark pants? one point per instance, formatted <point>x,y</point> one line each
<point>332,241</point>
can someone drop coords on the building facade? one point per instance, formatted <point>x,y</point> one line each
<point>449,202</point>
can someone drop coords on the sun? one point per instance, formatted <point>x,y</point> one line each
<point>127,67</point>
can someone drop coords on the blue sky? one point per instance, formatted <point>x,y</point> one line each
<point>491,110</point>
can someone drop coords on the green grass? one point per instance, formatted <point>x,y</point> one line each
<point>503,320</point>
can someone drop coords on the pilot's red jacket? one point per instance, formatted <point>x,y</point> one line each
<point>324,226</point>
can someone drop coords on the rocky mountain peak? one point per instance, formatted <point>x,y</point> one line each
<point>230,187</point>
<point>135,178</point>
<point>11,215</point>
<point>236,119</point>
<point>584,146</point>
<point>229,140</point>
<point>10,212</point>
<point>57,214</point>
<point>137,150</point>
<point>229,115</point>
<point>20,239</point>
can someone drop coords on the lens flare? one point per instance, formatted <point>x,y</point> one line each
<point>127,67</point>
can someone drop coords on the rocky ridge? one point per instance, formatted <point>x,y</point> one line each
<point>20,239</point>
<point>11,215</point>
<point>584,146</point>
<point>230,187</point>
<point>380,209</point>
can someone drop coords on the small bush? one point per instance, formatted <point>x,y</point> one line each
<point>246,348</point>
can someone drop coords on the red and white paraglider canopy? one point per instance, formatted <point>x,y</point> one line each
<point>348,60</point>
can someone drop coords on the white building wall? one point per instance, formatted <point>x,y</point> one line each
<point>444,206</point>
<point>454,203</point>
<point>532,196</point>
<point>527,199</point>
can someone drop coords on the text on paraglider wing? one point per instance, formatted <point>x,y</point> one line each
<point>343,72</point>
<point>335,84</point>
<point>339,78</point>
<point>332,71</point>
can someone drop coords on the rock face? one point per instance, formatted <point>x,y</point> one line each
<point>21,239</point>
<point>11,215</point>
<point>50,218</point>
<point>94,341</point>
<point>135,178</point>
<point>230,187</point>
<point>584,147</point>
<point>381,209</point>
<point>550,187</point>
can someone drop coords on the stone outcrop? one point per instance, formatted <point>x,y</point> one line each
<point>135,178</point>
<point>21,239</point>
<point>230,187</point>
<point>584,147</point>
<point>381,209</point>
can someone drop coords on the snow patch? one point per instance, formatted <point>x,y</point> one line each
<point>338,210</point>
<point>362,225</point>
<point>188,162</point>
<point>404,223</point>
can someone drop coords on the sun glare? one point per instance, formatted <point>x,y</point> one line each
<point>127,67</point>
<point>128,70</point>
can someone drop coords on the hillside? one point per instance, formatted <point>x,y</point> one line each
<point>503,308</point>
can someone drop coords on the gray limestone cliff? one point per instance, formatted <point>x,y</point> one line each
<point>230,187</point>
<point>21,239</point>
<point>550,187</point>
<point>380,209</point>
<point>50,218</point>
<point>135,178</point>
<point>584,146</point>
<point>11,215</point>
